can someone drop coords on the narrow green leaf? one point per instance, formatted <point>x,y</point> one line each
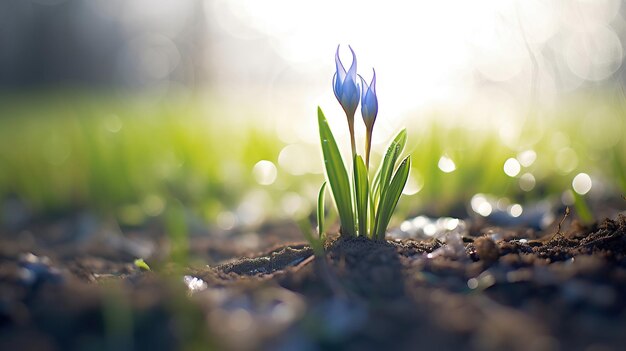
<point>317,244</point>
<point>389,164</point>
<point>337,176</point>
<point>361,189</point>
<point>383,175</point>
<point>372,214</point>
<point>582,208</point>
<point>390,197</point>
<point>320,210</point>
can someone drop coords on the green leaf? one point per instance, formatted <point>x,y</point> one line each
<point>320,210</point>
<point>372,214</point>
<point>317,244</point>
<point>337,176</point>
<point>140,263</point>
<point>383,175</point>
<point>389,198</point>
<point>361,189</point>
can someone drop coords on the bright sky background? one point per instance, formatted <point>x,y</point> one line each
<point>479,57</point>
<point>481,63</point>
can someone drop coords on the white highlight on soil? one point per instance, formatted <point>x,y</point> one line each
<point>406,226</point>
<point>512,167</point>
<point>446,164</point>
<point>430,229</point>
<point>264,172</point>
<point>424,227</point>
<point>451,223</point>
<point>582,183</point>
<point>194,284</point>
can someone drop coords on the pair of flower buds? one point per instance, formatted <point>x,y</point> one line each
<point>347,91</point>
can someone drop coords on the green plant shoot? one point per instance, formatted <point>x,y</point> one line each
<point>365,206</point>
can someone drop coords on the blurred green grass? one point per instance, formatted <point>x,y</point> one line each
<point>131,157</point>
<point>125,158</point>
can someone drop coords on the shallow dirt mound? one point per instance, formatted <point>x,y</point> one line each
<point>366,267</point>
<point>271,262</point>
<point>607,239</point>
<point>610,238</point>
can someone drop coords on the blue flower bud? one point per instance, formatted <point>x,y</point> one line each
<point>344,85</point>
<point>369,102</point>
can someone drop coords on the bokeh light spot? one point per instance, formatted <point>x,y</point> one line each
<point>527,182</point>
<point>414,184</point>
<point>264,172</point>
<point>226,220</point>
<point>113,124</point>
<point>511,167</point>
<point>516,210</point>
<point>446,164</point>
<point>480,204</point>
<point>582,183</point>
<point>594,54</point>
<point>527,158</point>
<point>153,205</point>
<point>296,160</point>
<point>566,160</point>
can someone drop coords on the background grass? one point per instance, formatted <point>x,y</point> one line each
<point>134,158</point>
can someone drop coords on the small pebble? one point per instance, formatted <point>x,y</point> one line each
<point>487,249</point>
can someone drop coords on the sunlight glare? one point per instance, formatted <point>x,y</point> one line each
<point>582,183</point>
<point>446,164</point>
<point>264,172</point>
<point>511,167</point>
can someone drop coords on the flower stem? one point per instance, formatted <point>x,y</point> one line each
<point>351,127</point>
<point>368,146</point>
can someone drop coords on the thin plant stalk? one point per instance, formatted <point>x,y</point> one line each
<point>351,128</point>
<point>368,146</point>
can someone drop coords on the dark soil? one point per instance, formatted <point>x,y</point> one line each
<point>517,290</point>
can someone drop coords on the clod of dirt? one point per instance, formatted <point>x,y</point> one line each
<point>275,260</point>
<point>487,250</point>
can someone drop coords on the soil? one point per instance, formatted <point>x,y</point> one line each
<point>491,289</point>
